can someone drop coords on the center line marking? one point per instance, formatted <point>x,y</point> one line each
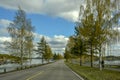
<point>30,78</point>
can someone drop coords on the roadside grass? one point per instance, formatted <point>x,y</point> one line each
<point>89,73</point>
<point>115,66</point>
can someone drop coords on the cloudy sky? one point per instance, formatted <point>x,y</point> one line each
<point>54,19</point>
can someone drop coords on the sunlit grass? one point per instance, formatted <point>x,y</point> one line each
<point>94,73</point>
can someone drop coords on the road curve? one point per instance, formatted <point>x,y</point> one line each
<point>53,71</point>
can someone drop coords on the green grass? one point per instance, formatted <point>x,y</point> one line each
<point>89,73</point>
<point>115,66</point>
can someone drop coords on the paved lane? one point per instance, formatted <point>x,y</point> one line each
<point>54,71</point>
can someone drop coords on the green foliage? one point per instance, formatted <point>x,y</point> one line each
<point>21,33</point>
<point>54,56</point>
<point>57,56</point>
<point>89,73</point>
<point>94,28</point>
<point>76,45</point>
<point>41,46</point>
<point>44,50</point>
<point>67,55</point>
<point>48,53</point>
<point>4,57</point>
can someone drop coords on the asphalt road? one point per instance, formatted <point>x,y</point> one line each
<point>53,71</point>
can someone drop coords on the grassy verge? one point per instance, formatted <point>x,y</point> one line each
<point>94,73</point>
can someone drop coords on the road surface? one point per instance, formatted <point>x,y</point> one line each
<point>53,71</point>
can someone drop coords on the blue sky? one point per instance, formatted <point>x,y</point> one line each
<point>51,26</point>
<point>53,19</point>
<point>44,24</point>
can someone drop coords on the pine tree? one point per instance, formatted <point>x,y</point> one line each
<point>44,50</point>
<point>41,48</point>
<point>48,53</point>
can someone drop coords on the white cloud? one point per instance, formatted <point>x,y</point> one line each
<point>3,26</point>
<point>4,22</point>
<point>67,9</point>
<point>4,33</point>
<point>73,15</point>
<point>57,43</point>
<point>3,39</point>
<point>2,45</point>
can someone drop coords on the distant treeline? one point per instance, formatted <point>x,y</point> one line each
<point>112,58</point>
<point>5,57</point>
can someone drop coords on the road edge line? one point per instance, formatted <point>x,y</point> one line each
<point>75,73</point>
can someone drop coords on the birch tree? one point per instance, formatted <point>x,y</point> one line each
<point>96,20</point>
<point>21,35</point>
